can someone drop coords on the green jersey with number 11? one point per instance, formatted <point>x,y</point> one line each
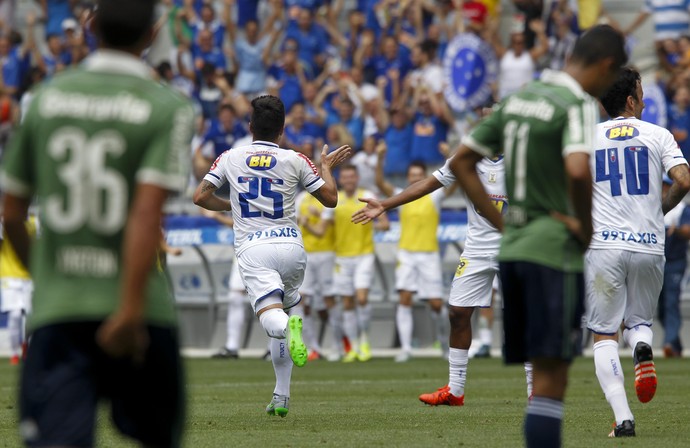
<point>536,128</point>
<point>90,136</point>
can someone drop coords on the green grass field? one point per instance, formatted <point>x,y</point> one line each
<point>375,404</point>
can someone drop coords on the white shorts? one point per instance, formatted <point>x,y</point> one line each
<point>473,283</point>
<point>352,273</point>
<point>235,278</point>
<point>419,272</point>
<point>318,278</point>
<point>16,294</point>
<point>270,268</point>
<point>621,286</point>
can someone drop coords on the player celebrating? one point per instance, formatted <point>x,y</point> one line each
<point>419,262</point>
<point>263,182</point>
<point>100,147</point>
<point>473,282</point>
<point>354,262</point>
<point>546,131</point>
<point>625,262</point>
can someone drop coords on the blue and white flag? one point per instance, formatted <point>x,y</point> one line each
<point>654,105</point>
<point>470,67</point>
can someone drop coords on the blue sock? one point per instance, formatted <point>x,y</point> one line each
<point>543,423</point>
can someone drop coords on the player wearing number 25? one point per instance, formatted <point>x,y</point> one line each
<point>264,181</point>
<point>100,147</point>
<point>624,266</point>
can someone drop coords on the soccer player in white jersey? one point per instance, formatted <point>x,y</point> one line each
<point>625,261</point>
<point>472,284</point>
<point>264,181</point>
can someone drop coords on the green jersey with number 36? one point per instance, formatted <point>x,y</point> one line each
<point>536,128</point>
<point>91,134</point>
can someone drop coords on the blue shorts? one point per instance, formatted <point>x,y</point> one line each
<point>542,312</point>
<point>66,374</point>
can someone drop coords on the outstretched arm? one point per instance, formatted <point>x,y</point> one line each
<point>204,197</point>
<point>375,208</point>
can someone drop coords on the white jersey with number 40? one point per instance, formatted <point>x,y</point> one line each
<point>264,181</point>
<point>628,164</point>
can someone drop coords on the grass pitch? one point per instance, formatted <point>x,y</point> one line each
<point>375,404</point>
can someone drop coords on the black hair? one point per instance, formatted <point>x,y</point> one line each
<point>268,117</point>
<point>124,23</point>
<point>617,95</point>
<point>429,47</point>
<point>163,68</point>
<point>418,164</point>
<point>600,42</point>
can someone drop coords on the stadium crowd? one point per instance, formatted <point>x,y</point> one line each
<point>369,74</point>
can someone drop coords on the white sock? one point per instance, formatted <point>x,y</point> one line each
<point>610,374</point>
<point>441,323</point>
<point>235,323</point>
<point>309,334</point>
<point>457,361</point>
<point>335,320</point>
<point>15,328</point>
<point>364,317</point>
<point>640,333</point>
<point>528,378</point>
<point>274,321</point>
<point>282,365</point>
<point>485,336</point>
<point>350,327</point>
<point>403,320</point>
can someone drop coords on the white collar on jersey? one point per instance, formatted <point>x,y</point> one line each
<point>265,143</point>
<point>563,79</point>
<point>621,117</point>
<point>113,61</point>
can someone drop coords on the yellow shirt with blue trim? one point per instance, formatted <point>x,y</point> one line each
<point>10,266</point>
<point>419,223</point>
<point>310,207</point>
<point>351,240</point>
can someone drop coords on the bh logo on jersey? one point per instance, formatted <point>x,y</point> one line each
<point>622,133</point>
<point>261,162</point>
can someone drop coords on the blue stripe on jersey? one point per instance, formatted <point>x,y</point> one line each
<point>312,182</point>
<point>681,8</point>
<point>214,175</point>
<point>678,157</point>
<point>677,26</point>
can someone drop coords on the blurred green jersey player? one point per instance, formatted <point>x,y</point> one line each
<point>546,131</point>
<point>100,148</point>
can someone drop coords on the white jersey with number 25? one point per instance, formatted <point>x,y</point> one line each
<point>264,181</point>
<point>630,159</point>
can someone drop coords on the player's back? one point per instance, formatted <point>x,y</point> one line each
<point>264,182</point>
<point>630,159</point>
<point>92,133</point>
<point>535,129</point>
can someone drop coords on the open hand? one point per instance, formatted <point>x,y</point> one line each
<point>335,158</point>
<point>372,210</point>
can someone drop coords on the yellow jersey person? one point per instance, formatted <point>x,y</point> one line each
<point>419,263</point>
<point>354,261</point>
<point>317,288</point>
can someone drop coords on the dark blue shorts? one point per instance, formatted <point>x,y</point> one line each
<point>66,375</point>
<point>542,312</point>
